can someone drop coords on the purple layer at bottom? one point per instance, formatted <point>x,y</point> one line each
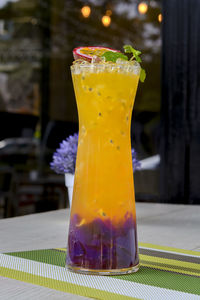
<point>101,245</point>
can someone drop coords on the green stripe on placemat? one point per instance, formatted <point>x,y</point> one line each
<point>161,267</point>
<point>48,256</point>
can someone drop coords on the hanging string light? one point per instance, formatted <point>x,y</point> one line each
<point>160,17</point>
<point>106,20</point>
<point>109,12</point>
<point>142,8</point>
<point>86,11</point>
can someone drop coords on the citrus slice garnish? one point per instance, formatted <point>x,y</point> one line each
<point>86,53</point>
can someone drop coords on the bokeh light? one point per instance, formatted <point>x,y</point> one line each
<point>109,12</point>
<point>106,20</point>
<point>86,11</point>
<point>160,17</point>
<point>142,8</point>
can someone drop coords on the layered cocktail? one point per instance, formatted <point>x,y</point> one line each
<point>102,234</point>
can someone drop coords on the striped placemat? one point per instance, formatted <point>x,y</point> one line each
<point>165,273</point>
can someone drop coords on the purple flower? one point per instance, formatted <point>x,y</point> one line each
<point>64,158</point>
<point>135,161</point>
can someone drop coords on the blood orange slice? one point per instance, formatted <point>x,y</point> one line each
<point>86,53</point>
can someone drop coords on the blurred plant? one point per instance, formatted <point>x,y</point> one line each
<point>135,161</point>
<point>64,158</point>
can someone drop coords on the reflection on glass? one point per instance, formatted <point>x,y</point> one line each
<point>20,55</point>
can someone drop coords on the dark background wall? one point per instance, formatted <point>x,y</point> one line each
<point>180,115</point>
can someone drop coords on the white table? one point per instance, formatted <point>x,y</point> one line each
<point>163,224</point>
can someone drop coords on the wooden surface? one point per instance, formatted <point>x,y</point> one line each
<point>167,225</point>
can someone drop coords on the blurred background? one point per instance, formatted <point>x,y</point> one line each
<point>38,108</point>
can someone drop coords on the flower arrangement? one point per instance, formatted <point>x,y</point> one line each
<point>64,158</point>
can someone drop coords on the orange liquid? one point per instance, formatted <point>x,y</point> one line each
<point>104,174</point>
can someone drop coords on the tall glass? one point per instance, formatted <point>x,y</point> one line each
<point>102,234</point>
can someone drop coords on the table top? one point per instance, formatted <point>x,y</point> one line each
<point>162,224</point>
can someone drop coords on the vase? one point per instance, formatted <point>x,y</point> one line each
<point>102,237</point>
<point>69,183</point>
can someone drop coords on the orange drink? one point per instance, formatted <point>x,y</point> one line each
<point>102,234</point>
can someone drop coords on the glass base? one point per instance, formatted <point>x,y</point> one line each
<point>103,272</point>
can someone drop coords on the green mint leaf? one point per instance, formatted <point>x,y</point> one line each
<point>134,52</point>
<point>135,55</point>
<point>138,59</point>
<point>137,52</point>
<point>142,75</point>
<point>113,56</point>
<point>128,48</point>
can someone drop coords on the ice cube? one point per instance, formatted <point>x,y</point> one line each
<point>84,63</point>
<point>77,61</point>
<point>103,59</point>
<point>76,69</point>
<point>95,59</point>
<point>134,67</point>
<point>122,61</point>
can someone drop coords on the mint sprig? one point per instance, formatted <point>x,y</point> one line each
<point>134,52</point>
<point>113,56</point>
<point>136,55</point>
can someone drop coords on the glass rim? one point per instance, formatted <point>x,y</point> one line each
<point>133,67</point>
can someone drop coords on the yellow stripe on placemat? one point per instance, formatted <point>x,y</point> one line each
<point>172,265</point>
<point>164,268</point>
<point>62,286</point>
<point>172,262</point>
<point>168,249</point>
<point>61,249</point>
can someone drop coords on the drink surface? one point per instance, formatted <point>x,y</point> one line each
<point>103,200</point>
